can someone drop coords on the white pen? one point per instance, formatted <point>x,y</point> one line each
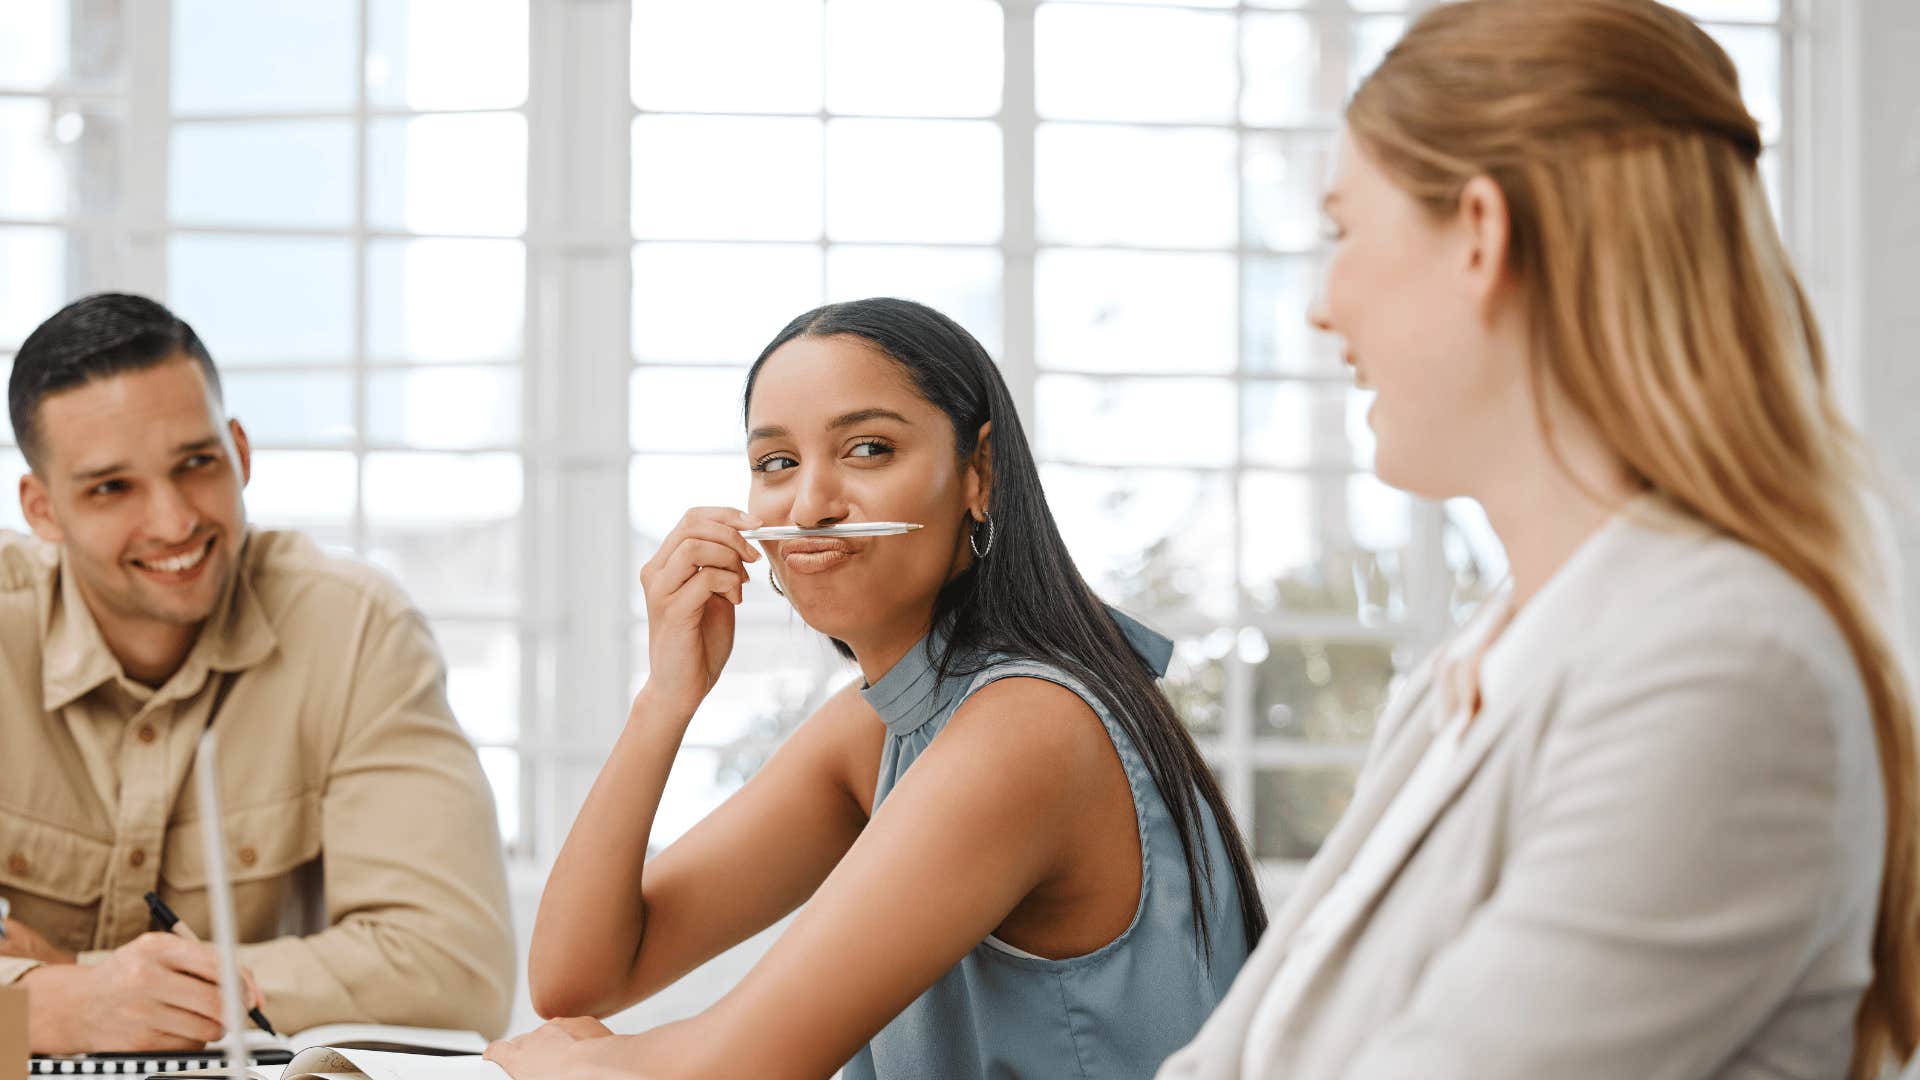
<point>851,528</point>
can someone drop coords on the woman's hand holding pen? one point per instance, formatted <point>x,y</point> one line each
<point>692,585</point>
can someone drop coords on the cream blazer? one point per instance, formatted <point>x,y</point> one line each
<point>1656,855</point>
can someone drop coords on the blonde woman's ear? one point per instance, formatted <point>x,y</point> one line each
<point>1483,216</point>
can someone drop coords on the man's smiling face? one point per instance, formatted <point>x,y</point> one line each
<point>138,477</point>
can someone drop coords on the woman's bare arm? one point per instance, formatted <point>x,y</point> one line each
<point>613,930</point>
<point>985,816</point>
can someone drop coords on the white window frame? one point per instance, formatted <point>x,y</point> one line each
<point>575,620</point>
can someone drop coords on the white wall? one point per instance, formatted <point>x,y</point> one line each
<point>1887,187</point>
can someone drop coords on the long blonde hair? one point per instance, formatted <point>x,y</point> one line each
<point>1663,305</point>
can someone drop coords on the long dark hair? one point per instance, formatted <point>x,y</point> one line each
<point>1029,599</point>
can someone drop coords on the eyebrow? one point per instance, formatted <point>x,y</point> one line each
<point>85,475</point>
<point>844,420</point>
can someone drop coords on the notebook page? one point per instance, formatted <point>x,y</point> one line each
<point>323,1063</point>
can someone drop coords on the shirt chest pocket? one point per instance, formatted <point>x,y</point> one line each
<point>54,878</point>
<point>266,846</point>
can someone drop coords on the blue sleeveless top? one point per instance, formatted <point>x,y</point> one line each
<point>1113,1013</point>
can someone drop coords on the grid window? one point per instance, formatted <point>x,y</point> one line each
<point>844,149</point>
<point>62,114</point>
<point>345,211</point>
<point>396,222</point>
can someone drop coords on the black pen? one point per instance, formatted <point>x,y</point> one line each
<point>165,919</point>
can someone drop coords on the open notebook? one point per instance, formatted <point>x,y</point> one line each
<point>370,1052</point>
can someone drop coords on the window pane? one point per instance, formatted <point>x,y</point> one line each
<point>661,489</point>
<point>1285,84</point>
<point>297,172</point>
<point>445,299</point>
<point>308,490</point>
<point>1372,38</point>
<point>502,767</point>
<point>699,783</point>
<point>779,672</point>
<point>688,411</point>
<point>1294,425</point>
<point>444,408</point>
<point>1135,421</point>
<point>926,180</point>
<point>449,174</point>
<point>718,303</point>
<point>13,466</point>
<point>33,263</point>
<point>1279,293</point>
<point>1321,691</point>
<point>1196,684</point>
<point>483,677</point>
<point>1295,809</point>
<point>695,57</point>
<point>1093,185</point>
<point>1147,539</point>
<point>1756,55</point>
<point>1094,63</point>
<point>1134,311</point>
<point>447,54</point>
<point>1767,10</point>
<point>264,301</point>
<point>33,144</point>
<point>292,409</point>
<point>1325,545</point>
<point>726,178</point>
<point>933,58</point>
<point>1168,3</point>
<point>962,283</point>
<point>33,51</point>
<point>448,526</point>
<point>241,56</point>
<point>1475,556</point>
<point>1284,178</point>
<point>1770,179</point>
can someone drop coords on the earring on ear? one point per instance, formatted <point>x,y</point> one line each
<point>973,538</point>
<point>773,579</point>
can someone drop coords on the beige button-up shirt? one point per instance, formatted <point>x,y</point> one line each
<point>363,849</point>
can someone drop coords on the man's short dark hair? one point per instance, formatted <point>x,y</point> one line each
<point>92,338</point>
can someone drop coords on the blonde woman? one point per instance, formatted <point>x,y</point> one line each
<point>1651,815</point>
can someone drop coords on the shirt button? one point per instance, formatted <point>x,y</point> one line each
<point>248,856</point>
<point>138,858</point>
<point>146,733</point>
<point>18,865</point>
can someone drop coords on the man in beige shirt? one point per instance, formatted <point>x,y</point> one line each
<point>362,843</point>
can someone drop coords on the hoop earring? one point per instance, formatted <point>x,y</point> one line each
<point>973,536</point>
<point>774,580</point>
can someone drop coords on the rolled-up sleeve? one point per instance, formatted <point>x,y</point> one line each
<point>415,884</point>
<point>13,967</point>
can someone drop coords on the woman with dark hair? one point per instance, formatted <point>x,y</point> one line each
<point>1014,860</point>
